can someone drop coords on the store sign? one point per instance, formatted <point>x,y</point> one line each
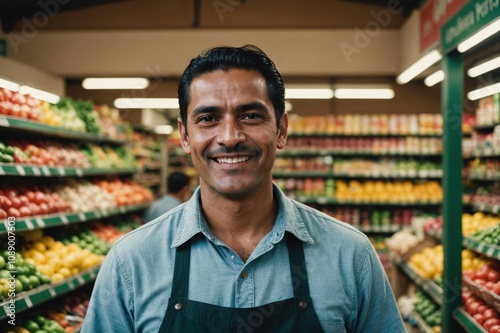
<point>3,47</point>
<point>473,16</point>
<point>432,17</point>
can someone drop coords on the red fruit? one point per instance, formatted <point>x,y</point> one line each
<point>13,212</point>
<point>494,275</point>
<point>39,198</point>
<point>25,211</point>
<point>489,323</point>
<point>483,273</point>
<point>44,208</point>
<point>24,199</point>
<point>496,288</point>
<point>482,308</point>
<point>494,329</point>
<point>30,195</point>
<point>479,318</point>
<point>491,313</point>
<point>5,202</point>
<point>35,209</point>
<point>473,308</point>
<point>3,214</point>
<point>16,202</point>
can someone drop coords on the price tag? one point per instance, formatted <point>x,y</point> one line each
<point>20,170</point>
<point>82,216</point>
<point>61,171</point>
<point>4,122</point>
<point>35,170</point>
<point>64,219</point>
<point>45,171</point>
<point>79,172</point>
<point>52,292</point>
<point>40,222</point>
<point>28,301</point>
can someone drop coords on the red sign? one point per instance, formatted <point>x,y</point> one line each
<point>432,17</point>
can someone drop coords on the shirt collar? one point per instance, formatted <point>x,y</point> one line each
<point>288,219</point>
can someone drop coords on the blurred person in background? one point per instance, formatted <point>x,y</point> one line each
<point>178,192</point>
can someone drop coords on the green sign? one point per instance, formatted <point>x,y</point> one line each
<point>473,16</point>
<point>3,48</point>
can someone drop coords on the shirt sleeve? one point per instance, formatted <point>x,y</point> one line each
<point>110,308</point>
<point>377,310</point>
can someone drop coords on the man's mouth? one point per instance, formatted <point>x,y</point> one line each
<point>232,160</point>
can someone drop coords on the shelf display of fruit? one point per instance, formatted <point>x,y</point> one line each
<point>86,239</point>
<point>82,195</point>
<point>288,164</point>
<point>395,192</point>
<point>471,223</point>
<point>112,124</point>
<point>385,167</point>
<point>307,187</point>
<point>108,232</point>
<point>14,104</point>
<point>402,241</point>
<point>125,192</point>
<point>359,124</point>
<point>38,324</point>
<point>486,194</point>
<point>489,235</point>
<point>106,157</point>
<point>429,262</point>
<point>486,143</point>
<point>482,313</point>
<point>55,259</point>
<point>371,216</point>
<point>488,276</point>
<point>366,145</point>
<point>484,168</point>
<point>428,310</point>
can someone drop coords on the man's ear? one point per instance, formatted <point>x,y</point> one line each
<point>183,136</point>
<point>282,131</point>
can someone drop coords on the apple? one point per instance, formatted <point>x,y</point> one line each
<point>490,323</point>
<point>493,275</point>
<point>494,329</point>
<point>479,318</point>
<point>491,313</point>
<point>13,212</point>
<point>3,214</point>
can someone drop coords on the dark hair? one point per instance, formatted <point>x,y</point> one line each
<point>224,58</point>
<point>176,181</point>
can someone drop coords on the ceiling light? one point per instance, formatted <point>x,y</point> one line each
<point>479,36</point>
<point>146,103</point>
<point>116,83</point>
<point>40,94</point>
<point>9,85</point>
<point>364,93</point>
<point>485,67</point>
<point>308,93</point>
<point>434,78</point>
<point>419,66</point>
<point>164,129</point>
<point>484,91</point>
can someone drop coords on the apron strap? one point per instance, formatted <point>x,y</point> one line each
<point>298,269</point>
<point>180,279</point>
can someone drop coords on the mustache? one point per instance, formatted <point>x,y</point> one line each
<point>239,148</point>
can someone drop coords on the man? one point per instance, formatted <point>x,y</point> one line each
<point>177,193</point>
<point>239,256</point>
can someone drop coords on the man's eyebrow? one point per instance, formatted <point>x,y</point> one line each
<point>252,106</point>
<point>202,109</point>
<point>205,109</point>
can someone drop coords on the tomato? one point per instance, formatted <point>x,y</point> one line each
<point>3,214</point>
<point>16,202</point>
<point>473,308</point>
<point>491,313</point>
<point>24,199</point>
<point>5,202</point>
<point>39,198</point>
<point>44,208</point>
<point>25,211</point>
<point>496,288</point>
<point>35,209</point>
<point>482,308</point>
<point>479,318</point>
<point>30,195</point>
<point>490,323</point>
<point>494,329</point>
<point>494,275</point>
<point>465,295</point>
<point>483,272</point>
<point>13,212</point>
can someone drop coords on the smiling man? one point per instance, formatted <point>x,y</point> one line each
<point>239,256</point>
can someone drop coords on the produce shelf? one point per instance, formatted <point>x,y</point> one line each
<point>389,228</point>
<point>31,298</point>
<point>44,221</point>
<point>57,171</point>
<point>489,297</point>
<point>367,135</point>
<point>486,208</point>
<point>485,177</point>
<point>430,287</point>
<point>18,124</point>
<point>489,250</point>
<point>400,175</point>
<point>487,153</point>
<point>323,152</point>
<point>282,174</point>
<point>421,324</point>
<point>488,127</point>
<point>467,322</point>
<point>332,201</point>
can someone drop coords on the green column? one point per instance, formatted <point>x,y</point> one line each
<point>452,106</point>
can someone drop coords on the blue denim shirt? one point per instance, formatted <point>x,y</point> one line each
<point>348,285</point>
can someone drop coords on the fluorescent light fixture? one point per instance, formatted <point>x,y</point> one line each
<point>116,83</point>
<point>479,36</point>
<point>434,78</point>
<point>364,93</point>
<point>164,129</point>
<point>484,67</point>
<point>308,93</point>
<point>40,94</point>
<point>484,91</point>
<point>9,85</point>
<point>146,103</point>
<point>419,66</point>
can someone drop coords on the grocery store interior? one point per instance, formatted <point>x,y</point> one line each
<point>394,110</point>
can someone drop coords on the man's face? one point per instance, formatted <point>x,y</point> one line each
<point>231,132</point>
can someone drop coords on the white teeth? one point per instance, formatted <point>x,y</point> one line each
<point>233,160</point>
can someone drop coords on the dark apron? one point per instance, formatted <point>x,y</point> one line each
<point>292,315</point>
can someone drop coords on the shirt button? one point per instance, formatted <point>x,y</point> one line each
<point>244,275</point>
